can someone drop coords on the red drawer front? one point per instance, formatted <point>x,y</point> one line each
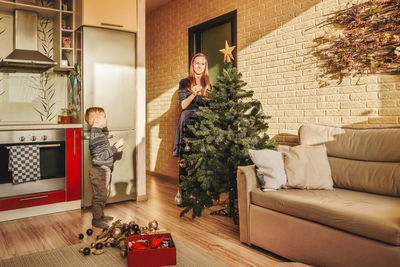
<point>25,201</point>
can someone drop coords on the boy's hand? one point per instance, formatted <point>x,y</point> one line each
<point>119,143</point>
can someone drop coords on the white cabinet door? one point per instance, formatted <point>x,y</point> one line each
<point>116,14</point>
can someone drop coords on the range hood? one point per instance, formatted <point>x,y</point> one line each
<point>26,54</point>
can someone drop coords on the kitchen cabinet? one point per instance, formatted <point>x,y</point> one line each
<point>117,14</point>
<point>61,13</point>
<point>60,170</point>
<point>73,168</point>
<point>31,200</point>
<point>64,35</point>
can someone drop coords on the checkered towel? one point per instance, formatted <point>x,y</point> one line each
<point>24,163</point>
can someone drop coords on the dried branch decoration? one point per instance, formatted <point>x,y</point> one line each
<point>365,38</point>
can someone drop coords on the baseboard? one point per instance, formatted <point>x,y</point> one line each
<point>9,215</point>
<point>163,176</point>
<point>141,198</point>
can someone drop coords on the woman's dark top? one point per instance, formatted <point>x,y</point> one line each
<point>188,117</point>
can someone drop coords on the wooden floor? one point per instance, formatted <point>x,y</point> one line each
<point>215,235</point>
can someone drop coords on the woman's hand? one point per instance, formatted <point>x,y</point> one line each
<point>196,89</point>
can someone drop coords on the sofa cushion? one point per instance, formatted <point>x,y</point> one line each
<point>307,167</point>
<point>376,177</point>
<point>368,144</point>
<point>362,159</point>
<point>269,167</point>
<point>369,215</point>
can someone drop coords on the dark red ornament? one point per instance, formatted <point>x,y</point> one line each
<point>86,251</point>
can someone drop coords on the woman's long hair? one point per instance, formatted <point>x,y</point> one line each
<point>204,80</point>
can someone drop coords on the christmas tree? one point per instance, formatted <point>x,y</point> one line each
<point>229,125</point>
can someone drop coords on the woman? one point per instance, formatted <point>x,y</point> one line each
<point>192,91</point>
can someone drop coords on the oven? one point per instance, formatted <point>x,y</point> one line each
<point>52,161</point>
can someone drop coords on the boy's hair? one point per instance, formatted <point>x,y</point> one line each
<point>91,113</point>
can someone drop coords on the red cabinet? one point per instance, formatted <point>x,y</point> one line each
<point>73,168</point>
<point>58,194</point>
<point>31,200</point>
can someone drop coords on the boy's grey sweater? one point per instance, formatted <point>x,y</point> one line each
<point>100,149</point>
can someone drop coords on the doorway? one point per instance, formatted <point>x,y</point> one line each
<point>209,37</point>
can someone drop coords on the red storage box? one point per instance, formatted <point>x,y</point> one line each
<point>151,257</point>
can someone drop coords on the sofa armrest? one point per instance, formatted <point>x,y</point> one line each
<point>246,181</point>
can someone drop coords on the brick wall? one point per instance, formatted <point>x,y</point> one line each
<point>275,46</point>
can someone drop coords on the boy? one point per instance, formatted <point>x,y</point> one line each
<point>102,161</point>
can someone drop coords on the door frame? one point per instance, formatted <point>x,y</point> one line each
<point>196,31</point>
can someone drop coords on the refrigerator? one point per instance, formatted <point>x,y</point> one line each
<point>106,59</point>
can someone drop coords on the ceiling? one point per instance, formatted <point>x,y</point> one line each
<point>154,4</point>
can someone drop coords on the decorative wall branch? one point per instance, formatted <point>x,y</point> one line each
<point>1,79</point>
<point>362,38</point>
<point>47,91</point>
<point>46,3</point>
<point>46,36</point>
<point>2,91</point>
<point>2,30</point>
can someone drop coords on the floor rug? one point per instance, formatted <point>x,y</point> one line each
<point>186,255</point>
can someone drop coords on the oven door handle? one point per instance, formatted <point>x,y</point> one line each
<point>42,146</point>
<point>87,137</point>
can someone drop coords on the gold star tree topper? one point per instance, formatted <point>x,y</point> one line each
<point>227,51</point>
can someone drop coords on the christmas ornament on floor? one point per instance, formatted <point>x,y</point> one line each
<point>89,231</point>
<point>153,225</point>
<point>178,198</point>
<point>116,236</point>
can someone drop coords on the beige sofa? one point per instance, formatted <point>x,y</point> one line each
<point>356,224</point>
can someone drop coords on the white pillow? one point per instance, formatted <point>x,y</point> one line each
<point>270,168</point>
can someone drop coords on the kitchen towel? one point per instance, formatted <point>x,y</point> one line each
<point>24,163</point>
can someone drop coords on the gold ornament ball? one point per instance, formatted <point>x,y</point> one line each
<point>182,163</point>
<point>187,148</point>
<point>116,233</point>
<point>153,225</point>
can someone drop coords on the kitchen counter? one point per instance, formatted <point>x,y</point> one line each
<point>38,126</point>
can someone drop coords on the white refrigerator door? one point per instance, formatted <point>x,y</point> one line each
<point>123,179</point>
<point>109,75</point>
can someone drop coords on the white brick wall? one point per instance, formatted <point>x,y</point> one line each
<point>275,45</point>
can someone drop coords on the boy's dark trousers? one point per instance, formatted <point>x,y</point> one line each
<point>99,178</point>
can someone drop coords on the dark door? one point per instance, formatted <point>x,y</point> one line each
<point>209,37</point>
